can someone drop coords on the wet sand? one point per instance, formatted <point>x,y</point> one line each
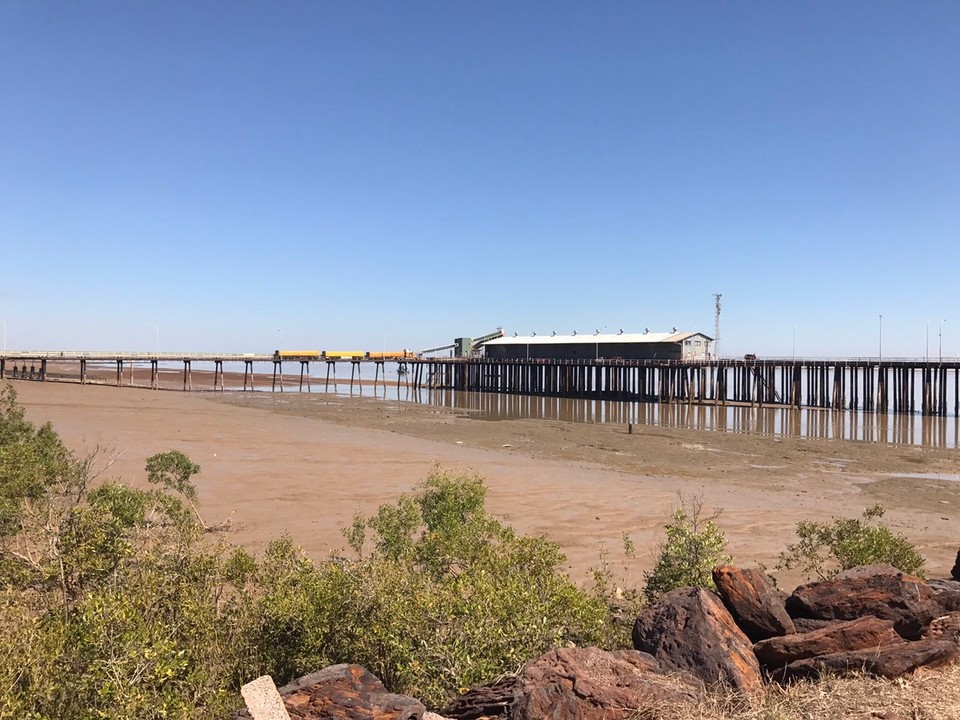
<point>304,464</point>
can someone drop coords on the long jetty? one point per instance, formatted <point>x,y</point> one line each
<point>899,386</point>
<point>76,366</point>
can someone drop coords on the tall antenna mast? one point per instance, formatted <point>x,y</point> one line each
<point>716,328</point>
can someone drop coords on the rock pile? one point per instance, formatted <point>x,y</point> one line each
<point>872,619</point>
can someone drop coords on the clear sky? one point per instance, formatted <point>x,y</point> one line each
<point>240,176</point>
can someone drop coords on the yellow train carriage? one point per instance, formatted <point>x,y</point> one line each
<point>296,354</point>
<point>390,355</point>
<point>344,354</point>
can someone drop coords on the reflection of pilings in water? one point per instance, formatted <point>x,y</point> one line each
<point>782,421</point>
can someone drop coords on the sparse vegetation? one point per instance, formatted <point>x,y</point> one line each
<point>693,547</point>
<point>117,604</point>
<point>824,549</point>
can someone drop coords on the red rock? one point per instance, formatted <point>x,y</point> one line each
<point>846,636</point>
<point>690,630</point>
<point>904,599</point>
<point>574,684</point>
<point>890,662</point>
<point>756,607</point>
<point>591,684</point>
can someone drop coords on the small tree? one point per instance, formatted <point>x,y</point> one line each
<point>174,470</point>
<point>694,546</point>
<point>824,549</point>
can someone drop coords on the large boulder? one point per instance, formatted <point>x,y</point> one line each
<point>846,636</point>
<point>345,692</point>
<point>575,684</point>
<point>755,605</point>
<point>888,595</point>
<point>591,684</point>
<point>690,630</point>
<point>890,661</point>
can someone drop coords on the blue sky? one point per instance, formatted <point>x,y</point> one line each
<point>354,174</point>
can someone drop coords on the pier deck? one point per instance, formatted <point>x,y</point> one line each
<point>907,386</point>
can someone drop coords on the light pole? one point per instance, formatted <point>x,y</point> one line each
<point>794,342</point>
<point>157,327</point>
<point>926,353</point>
<point>940,340</point>
<point>4,335</point>
<point>881,338</point>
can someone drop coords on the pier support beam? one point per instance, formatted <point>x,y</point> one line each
<point>277,371</point>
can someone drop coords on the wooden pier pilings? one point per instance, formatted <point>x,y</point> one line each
<point>897,386</point>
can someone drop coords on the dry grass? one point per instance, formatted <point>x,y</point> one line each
<point>927,695</point>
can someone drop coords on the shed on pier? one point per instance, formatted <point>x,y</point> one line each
<point>599,346</point>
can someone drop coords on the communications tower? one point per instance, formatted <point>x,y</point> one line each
<point>716,327</point>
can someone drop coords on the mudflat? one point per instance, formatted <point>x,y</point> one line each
<point>304,463</point>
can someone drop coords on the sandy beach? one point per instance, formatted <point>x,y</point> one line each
<point>304,464</point>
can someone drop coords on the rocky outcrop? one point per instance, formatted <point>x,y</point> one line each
<point>754,604</point>
<point>345,692</point>
<point>575,684</point>
<point>890,662</point>
<point>955,572</point>
<point>905,600</point>
<point>846,636</point>
<point>690,630</point>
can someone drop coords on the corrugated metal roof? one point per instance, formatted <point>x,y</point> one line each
<point>649,337</point>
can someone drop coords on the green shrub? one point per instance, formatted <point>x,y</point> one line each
<point>110,607</point>
<point>441,596</point>
<point>694,546</point>
<point>115,602</point>
<point>824,549</point>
